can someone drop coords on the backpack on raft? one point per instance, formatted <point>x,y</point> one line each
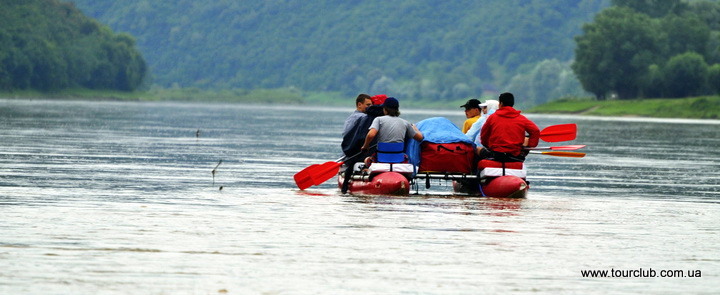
<point>445,148</point>
<point>456,157</point>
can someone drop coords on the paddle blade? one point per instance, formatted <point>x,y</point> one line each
<point>568,147</point>
<point>558,148</point>
<point>562,132</point>
<point>326,171</point>
<point>303,179</point>
<point>560,154</point>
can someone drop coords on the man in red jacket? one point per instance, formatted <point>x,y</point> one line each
<point>503,134</point>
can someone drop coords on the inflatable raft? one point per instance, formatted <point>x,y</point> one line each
<point>492,180</point>
<point>445,154</point>
<point>379,179</point>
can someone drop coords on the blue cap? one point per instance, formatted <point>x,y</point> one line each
<point>392,103</point>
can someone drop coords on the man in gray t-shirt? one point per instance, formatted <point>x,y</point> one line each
<point>391,128</point>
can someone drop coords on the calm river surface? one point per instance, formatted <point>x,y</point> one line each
<point>119,198</point>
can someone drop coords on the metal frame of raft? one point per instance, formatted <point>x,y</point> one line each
<point>426,175</point>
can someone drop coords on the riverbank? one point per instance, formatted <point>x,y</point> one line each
<point>267,96</point>
<point>706,107</point>
<point>289,96</point>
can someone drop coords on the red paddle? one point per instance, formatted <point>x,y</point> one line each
<point>304,179</point>
<point>316,174</point>
<point>559,148</point>
<point>562,132</point>
<point>326,171</point>
<point>560,154</point>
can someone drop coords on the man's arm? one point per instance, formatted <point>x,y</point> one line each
<point>418,135</point>
<point>485,133</point>
<point>534,133</point>
<point>369,138</point>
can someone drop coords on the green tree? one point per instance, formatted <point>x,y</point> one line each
<point>615,51</point>
<point>548,80</point>
<point>49,68</point>
<point>709,13</point>
<point>684,33</point>
<point>685,75</point>
<point>714,78</point>
<point>252,44</point>
<point>653,84</point>
<point>5,60</point>
<point>20,68</point>
<point>49,45</point>
<point>653,8</point>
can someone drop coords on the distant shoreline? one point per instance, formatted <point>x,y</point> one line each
<point>705,107</point>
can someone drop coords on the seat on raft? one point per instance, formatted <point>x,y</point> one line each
<point>391,152</point>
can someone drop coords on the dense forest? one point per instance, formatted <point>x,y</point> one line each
<point>48,45</point>
<point>433,49</point>
<point>651,48</point>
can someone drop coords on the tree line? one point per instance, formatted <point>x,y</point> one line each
<point>435,49</point>
<point>651,48</point>
<point>48,45</point>
<point>431,49</point>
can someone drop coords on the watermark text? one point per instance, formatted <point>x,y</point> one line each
<point>641,273</point>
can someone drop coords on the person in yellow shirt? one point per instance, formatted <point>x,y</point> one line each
<point>473,110</point>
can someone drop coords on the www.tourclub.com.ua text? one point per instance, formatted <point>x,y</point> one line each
<point>640,273</point>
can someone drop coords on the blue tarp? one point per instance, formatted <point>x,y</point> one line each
<point>435,130</point>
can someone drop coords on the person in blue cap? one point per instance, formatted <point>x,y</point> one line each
<point>391,128</point>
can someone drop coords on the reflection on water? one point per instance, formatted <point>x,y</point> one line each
<point>119,198</point>
<point>449,204</point>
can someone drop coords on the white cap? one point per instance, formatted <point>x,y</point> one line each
<point>491,104</point>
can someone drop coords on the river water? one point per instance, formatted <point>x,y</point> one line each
<point>120,198</point>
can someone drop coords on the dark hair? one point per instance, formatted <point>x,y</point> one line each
<point>392,112</point>
<point>374,111</point>
<point>507,99</point>
<point>361,98</point>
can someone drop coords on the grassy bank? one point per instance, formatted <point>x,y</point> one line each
<point>72,94</point>
<point>707,107</point>
<point>259,96</point>
<point>268,96</point>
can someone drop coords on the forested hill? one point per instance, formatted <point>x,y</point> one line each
<point>430,48</point>
<point>48,45</point>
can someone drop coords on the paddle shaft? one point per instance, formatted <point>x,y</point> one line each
<point>560,154</point>
<point>557,148</point>
<point>344,159</point>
